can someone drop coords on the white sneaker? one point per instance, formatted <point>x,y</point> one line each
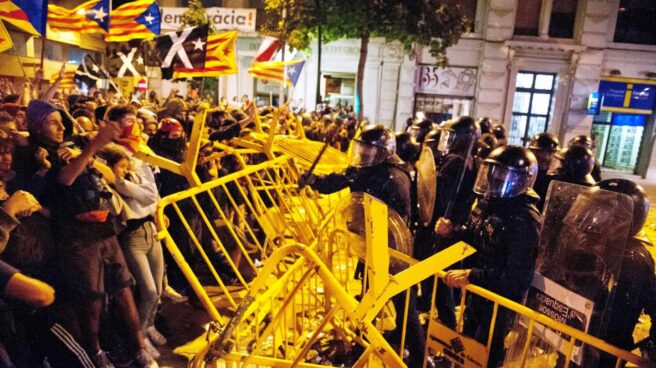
<point>151,349</point>
<point>155,336</point>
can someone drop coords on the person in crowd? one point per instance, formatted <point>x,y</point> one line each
<point>504,228</point>
<point>135,182</point>
<point>591,144</point>
<point>75,195</point>
<point>499,132</point>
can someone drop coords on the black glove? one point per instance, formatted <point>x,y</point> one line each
<point>648,349</point>
<point>306,180</point>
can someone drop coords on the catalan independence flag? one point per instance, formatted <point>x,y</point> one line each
<point>90,17</point>
<point>139,19</point>
<point>286,72</point>
<point>28,15</point>
<point>220,59</point>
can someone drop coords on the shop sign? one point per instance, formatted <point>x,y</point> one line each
<point>593,104</point>
<point>222,18</point>
<point>450,81</point>
<point>560,304</point>
<point>627,97</point>
<point>463,351</point>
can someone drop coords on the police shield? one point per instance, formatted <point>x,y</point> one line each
<point>582,242</point>
<point>351,217</point>
<point>426,185</point>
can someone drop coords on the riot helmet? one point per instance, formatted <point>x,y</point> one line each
<point>486,125</point>
<point>507,172</point>
<point>544,146</point>
<point>499,131</point>
<point>489,140</point>
<point>574,163</point>
<point>638,196</point>
<point>375,145</point>
<point>431,141</point>
<point>420,130</point>
<point>407,147</point>
<point>582,140</point>
<point>458,135</point>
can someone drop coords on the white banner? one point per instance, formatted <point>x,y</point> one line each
<point>561,304</point>
<point>449,81</point>
<point>222,18</point>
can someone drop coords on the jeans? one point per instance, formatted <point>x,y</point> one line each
<point>143,254</point>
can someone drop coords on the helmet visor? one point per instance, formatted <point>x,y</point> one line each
<point>497,181</point>
<point>446,140</point>
<point>362,154</point>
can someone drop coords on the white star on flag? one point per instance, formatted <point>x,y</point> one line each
<point>100,14</point>
<point>198,44</point>
<point>140,60</point>
<point>291,71</point>
<point>149,18</point>
<point>95,68</point>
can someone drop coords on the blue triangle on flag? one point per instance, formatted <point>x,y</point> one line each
<point>100,14</point>
<point>151,18</point>
<point>294,71</point>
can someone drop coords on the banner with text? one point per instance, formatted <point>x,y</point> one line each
<point>561,304</point>
<point>222,18</point>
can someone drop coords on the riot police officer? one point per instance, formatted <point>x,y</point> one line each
<point>499,132</point>
<point>574,165</point>
<point>504,229</point>
<point>544,146</point>
<point>421,129</point>
<point>455,180</point>
<point>374,168</point>
<point>407,147</point>
<point>486,125</point>
<point>635,290</point>
<point>588,142</point>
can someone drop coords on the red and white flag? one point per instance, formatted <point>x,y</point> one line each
<point>267,49</point>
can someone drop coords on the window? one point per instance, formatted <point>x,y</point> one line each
<point>527,20</point>
<point>440,108</point>
<point>532,106</point>
<point>563,15</point>
<point>635,22</point>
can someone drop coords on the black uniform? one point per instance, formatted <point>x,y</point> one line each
<point>390,184</point>
<point>635,291</point>
<point>505,233</point>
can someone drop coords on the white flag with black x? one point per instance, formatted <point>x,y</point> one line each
<point>127,63</point>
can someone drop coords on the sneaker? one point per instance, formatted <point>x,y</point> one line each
<point>100,360</point>
<point>144,360</point>
<point>172,295</point>
<point>155,336</point>
<point>151,349</point>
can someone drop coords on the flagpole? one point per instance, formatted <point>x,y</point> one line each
<point>43,49</point>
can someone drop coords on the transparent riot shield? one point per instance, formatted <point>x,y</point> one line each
<point>582,241</point>
<point>426,185</point>
<point>350,216</point>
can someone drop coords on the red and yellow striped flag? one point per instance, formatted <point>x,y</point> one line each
<point>220,59</point>
<point>286,72</point>
<point>139,19</point>
<point>67,82</point>
<point>90,17</point>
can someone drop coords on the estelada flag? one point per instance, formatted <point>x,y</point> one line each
<point>182,51</point>
<point>28,15</point>
<point>286,72</point>
<point>139,19</point>
<point>5,40</point>
<point>90,17</point>
<point>221,58</point>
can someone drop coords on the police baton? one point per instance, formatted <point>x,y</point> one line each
<point>308,173</point>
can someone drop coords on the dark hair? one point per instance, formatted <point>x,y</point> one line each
<point>112,156</point>
<point>83,112</point>
<point>117,112</point>
<point>6,145</point>
<point>12,98</point>
<point>100,113</point>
